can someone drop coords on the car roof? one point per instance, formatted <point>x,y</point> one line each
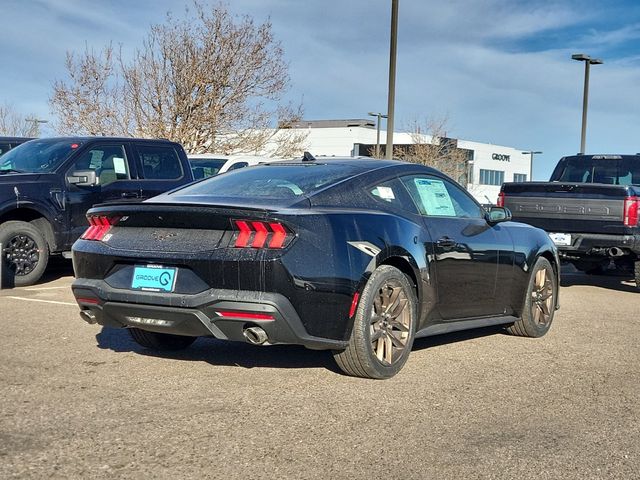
<point>85,139</point>
<point>15,139</point>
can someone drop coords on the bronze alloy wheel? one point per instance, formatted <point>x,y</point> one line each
<point>539,301</point>
<point>542,303</point>
<point>390,323</point>
<point>383,326</point>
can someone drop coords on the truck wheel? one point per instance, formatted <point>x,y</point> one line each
<point>636,272</point>
<point>384,326</point>
<point>539,303</point>
<point>160,341</point>
<point>25,253</point>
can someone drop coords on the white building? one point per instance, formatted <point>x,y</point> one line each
<point>489,165</point>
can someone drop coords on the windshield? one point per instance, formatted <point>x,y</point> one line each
<point>278,181</point>
<point>37,156</point>
<point>612,170</point>
<point>206,167</point>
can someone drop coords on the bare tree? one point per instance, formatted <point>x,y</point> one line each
<point>432,147</point>
<point>90,103</point>
<point>14,124</point>
<point>210,81</point>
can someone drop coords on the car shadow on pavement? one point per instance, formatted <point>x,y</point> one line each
<point>455,337</point>
<point>610,280</point>
<point>225,353</point>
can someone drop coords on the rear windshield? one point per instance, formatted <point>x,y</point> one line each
<point>275,181</point>
<point>206,167</point>
<point>612,170</point>
<point>38,156</point>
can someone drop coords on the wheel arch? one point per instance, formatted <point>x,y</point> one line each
<point>35,217</point>
<point>407,265</point>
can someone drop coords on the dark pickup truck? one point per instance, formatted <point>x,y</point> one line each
<point>589,209</point>
<point>47,185</point>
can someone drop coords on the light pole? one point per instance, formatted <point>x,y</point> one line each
<point>532,153</point>
<point>588,61</point>
<point>379,115</point>
<point>393,47</point>
<point>34,131</point>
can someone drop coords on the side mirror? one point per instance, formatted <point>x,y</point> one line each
<point>498,214</point>
<point>83,178</point>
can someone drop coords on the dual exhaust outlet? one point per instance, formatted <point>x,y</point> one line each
<point>255,335</point>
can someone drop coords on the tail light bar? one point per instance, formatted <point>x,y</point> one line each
<point>630,215</point>
<point>259,234</point>
<point>99,226</point>
<point>500,199</point>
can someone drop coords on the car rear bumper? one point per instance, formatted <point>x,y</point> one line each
<point>223,314</point>
<point>598,244</point>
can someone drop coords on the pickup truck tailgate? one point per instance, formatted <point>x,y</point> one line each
<point>568,207</point>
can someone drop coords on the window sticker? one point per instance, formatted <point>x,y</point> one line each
<point>385,193</point>
<point>119,166</point>
<point>435,197</point>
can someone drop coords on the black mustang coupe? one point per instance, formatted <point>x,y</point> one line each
<point>357,256</point>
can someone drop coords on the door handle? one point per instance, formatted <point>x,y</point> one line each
<point>446,242</point>
<point>129,195</point>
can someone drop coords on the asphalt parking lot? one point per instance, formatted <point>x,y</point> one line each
<point>79,401</point>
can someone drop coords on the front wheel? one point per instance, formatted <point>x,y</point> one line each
<point>25,253</point>
<point>384,326</point>
<point>540,302</point>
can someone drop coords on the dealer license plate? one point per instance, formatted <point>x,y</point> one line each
<point>561,238</point>
<point>153,278</point>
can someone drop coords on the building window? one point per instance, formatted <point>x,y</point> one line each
<point>519,177</point>
<point>491,177</point>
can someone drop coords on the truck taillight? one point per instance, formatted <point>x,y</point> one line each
<point>259,234</point>
<point>99,225</point>
<point>630,215</point>
<point>500,199</point>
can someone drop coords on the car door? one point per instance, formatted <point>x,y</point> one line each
<point>159,168</point>
<point>114,182</point>
<point>467,249</point>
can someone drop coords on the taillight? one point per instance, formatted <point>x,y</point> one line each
<point>630,216</point>
<point>259,234</point>
<point>99,226</point>
<point>500,199</point>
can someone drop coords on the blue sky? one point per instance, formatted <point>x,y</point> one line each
<point>500,70</point>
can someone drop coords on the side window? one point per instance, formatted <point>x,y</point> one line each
<point>439,197</point>
<point>391,192</point>
<point>237,165</point>
<point>159,162</point>
<point>108,161</point>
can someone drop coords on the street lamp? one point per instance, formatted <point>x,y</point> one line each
<point>393,47</point>
<point>379,115</point>
<point>34,131</point>
<point>588,61</point>
<point>532,153</point>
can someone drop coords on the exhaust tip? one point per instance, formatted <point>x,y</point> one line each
<point>616,252</point>
<point>88,316</point>
<point>255,335</point>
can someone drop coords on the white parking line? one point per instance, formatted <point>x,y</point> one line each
<point>35,289</point>
<point>43,301</point>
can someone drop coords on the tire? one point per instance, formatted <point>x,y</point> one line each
<point>25,253</point>
<point>383,328</point>
<point>539,303</point>
<point>160,341</point>
<point>636,272</point>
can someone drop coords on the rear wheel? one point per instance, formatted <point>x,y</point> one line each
<point>25,253</point>
<point>540,302</point>
<point>160,341</point>
<point>636,272</point>
<point>384,327</point>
